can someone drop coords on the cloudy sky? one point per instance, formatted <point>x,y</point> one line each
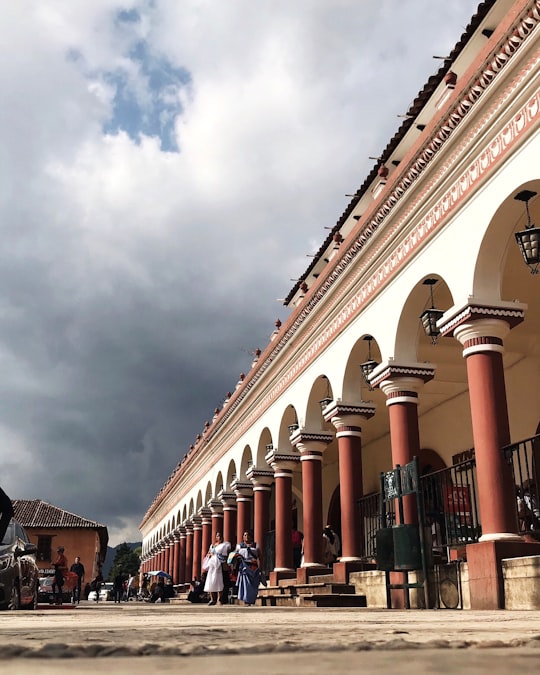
<point>165,168</point>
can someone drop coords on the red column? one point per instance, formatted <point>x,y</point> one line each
<point>182,558</point>
<point>189,552</point>
<point>347,419</point>
<point>167,557</point>
<point>401,384</point>
<point>244,501</point>
<point>217,518</point>
<point>262,480</point>
<point>312,446</point>
<point>482,341</point>
<point>229,517</point>
<point>175,557</point>
<point>197,543</point>
<point>283,465</point>
<point>206,541</point>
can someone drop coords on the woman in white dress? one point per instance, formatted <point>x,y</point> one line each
<point>217,555</point>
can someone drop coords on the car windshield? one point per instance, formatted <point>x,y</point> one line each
<point>9,536</point>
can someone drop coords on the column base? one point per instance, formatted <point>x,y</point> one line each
<point>343,568</point>
<point>500,536</point>
<point>277,575</point>
<point>485,569</point>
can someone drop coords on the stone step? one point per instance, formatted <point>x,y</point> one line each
<point>324,588</point>
<point>313,600</point>
<point>322,578</point>
<point>335,600</point>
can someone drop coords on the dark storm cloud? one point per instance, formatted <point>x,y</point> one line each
<point>135,282</point>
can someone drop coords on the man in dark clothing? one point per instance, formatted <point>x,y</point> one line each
<point>6,508</point>
<point>78,568</point>
<point>118,588</point>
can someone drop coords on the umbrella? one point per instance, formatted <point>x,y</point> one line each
<point>160,573</point>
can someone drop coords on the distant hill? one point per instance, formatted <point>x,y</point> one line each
<point>111,553</point>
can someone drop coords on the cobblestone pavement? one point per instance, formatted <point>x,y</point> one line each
<point>137,637</point>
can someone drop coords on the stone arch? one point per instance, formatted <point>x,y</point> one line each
<point>321,390</point>
<point>245,463</point>
<point>355,389</point>
<point>218,485</point>
<point>289,418</point>
<point>265,439</point>
<point>208,494</point>
<point>429,461</point>
<point>232,473</point>
<point>410,335</point>
<point>498,250</point>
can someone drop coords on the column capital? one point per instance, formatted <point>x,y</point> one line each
<point>261,479</point>
<point>347,417</point>
<point>197,522</point>
<point>509,313</point>
<point>242,489</point>
<point>401,382</point>
<point>188,526</point>
<point>180,533</point>
<point>311,444</point>
<point>283,463</point>
<point>216,507</point>
<point>206,515</point>
<point>228,499</point>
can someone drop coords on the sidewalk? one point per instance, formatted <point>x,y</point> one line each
<point>138,637</point>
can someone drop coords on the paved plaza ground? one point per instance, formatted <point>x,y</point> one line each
<point>139,638</point>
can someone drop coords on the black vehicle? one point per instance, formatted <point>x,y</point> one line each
<point>19,574</point>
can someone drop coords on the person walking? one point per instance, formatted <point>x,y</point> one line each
<point>96,583</point>
<point>78,569</point>
<point>118,588</point>
<point>249,572</point>
<point>60,566</point>
<point>215,574</point>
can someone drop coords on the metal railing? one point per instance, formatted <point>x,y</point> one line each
<point>450,506</point>
<point>450,498</point>
<point>524,459</point>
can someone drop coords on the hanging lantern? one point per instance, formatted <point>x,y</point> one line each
<point>528,239</point>
<point>368,366</point>
<point>429,317</point>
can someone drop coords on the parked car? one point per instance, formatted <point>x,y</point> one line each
<point>105,593</point>
<point>19,574</point>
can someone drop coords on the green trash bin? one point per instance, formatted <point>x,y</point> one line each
<point>407,550</point>
<point>385,549</point>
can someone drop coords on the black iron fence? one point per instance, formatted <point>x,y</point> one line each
<point>450,498</point>
<point>524,458</point>
<point>450,506</point>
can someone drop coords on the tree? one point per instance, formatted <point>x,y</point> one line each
<point>126,562</point>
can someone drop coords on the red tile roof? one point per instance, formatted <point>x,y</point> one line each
<point>37,513</point>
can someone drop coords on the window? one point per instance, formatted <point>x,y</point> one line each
<point>44,548</point>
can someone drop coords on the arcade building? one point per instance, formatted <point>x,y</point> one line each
<point>413,333</point>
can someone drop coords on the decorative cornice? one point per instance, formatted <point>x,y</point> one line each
<point>364,409</point>
<point>301,436</point>
<point>393,371</point>
<point>511,313</point>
